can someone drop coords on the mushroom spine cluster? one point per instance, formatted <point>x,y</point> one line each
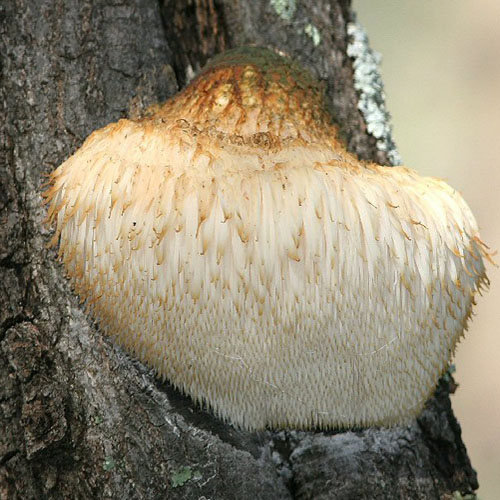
<point>232,243</point>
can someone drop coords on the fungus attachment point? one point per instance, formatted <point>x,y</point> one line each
<point>230,242</point>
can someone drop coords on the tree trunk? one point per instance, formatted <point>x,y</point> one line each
<point>78,417</point>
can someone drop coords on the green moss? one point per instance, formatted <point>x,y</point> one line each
<point>271,65</point>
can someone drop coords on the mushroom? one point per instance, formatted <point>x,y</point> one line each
<point>230,242</point>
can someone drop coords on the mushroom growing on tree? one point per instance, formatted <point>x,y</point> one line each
<point>232,243</point>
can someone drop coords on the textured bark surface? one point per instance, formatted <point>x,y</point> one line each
<point>78,417</point>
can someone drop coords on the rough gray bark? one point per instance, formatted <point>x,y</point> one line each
<point>78,417</point>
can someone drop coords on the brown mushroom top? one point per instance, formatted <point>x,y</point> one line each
<point>251,91</point>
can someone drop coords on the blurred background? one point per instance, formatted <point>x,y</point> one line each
<point>441,70</point>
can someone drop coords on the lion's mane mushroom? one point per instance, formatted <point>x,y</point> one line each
<point>231,242</point>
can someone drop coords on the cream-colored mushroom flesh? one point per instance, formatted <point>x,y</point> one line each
<point>230,242</point>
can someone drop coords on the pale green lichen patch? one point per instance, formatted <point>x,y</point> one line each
<point>313,33</point>
<point>284,8</point>
<point>371,97</point>
<point>109,464</point>
<point>448,374</point>
<point>469,496</point>
<point>182,475</point>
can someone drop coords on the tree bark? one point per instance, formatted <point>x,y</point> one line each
<point>78,417</point>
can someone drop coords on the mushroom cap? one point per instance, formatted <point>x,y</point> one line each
<point>232,243</point>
